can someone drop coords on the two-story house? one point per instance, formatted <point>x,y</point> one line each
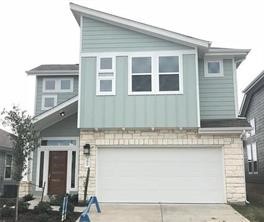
<point>152,113</point>
<point>253,109</point>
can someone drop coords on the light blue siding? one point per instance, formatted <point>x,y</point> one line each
<point>65,128</point>
<point>139,111</point>
<point>217,93</point>
<point>102,37</point>
<point>61,96</point>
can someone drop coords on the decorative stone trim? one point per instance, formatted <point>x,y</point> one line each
<point>232,146</point>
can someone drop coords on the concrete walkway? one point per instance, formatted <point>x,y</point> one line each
<point>166,213</point>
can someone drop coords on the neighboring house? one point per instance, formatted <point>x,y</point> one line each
<point>153,113</point>
<point>253,109</point>
<point>8,186</point>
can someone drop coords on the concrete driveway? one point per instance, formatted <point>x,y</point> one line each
<point>166,213</point>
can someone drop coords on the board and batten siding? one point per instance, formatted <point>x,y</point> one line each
<point>217,100</point>
<point>136,111</point>
<point>61,96</point>
<point>98,36</point>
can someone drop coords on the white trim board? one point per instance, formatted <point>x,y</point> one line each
<point>55,109</point>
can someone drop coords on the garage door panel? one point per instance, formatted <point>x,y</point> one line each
<point>178,175</point>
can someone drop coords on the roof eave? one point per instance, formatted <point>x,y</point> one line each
<point>78,11</point>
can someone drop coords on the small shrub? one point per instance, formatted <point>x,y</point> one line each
<point>7,212</point>
<point>70,208</point>
<point>28,197</point>
<point>22,207</point>
<point>42,208</point>
<point>56,200</point>
<point>73,199</point>
<point>43,217</point>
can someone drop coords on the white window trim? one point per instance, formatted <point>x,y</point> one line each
<point>250,146</point>
<point>57,85</point>
<point>8,166</point>
<point>220,74</point>
<point>43,101</point>
<point>46,150</point>
<point>155,73</point>
<point>99,78</point>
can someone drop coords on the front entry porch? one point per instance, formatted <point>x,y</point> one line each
<point>57,166</point>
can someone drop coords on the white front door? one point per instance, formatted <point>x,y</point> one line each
<point>173,175</point>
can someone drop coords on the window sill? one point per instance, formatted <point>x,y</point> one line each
<point>155,94</point>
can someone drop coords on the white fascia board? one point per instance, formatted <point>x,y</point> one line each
<point>137,26</point>
<point>55,109</point>
<point>223,130</point>
<point>50,72</point>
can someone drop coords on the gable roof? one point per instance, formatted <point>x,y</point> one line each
<point>249,91</point>
<point>79,11</point>
<point>53,115</point>
<point>55,68</point>
<point>5,140</point>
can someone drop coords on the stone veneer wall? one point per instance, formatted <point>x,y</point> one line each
<point>232,144</point>
<point>25,188</point>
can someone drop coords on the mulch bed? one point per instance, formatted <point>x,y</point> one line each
<point>29,216</point>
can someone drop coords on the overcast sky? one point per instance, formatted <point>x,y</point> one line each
<point>35,32</point>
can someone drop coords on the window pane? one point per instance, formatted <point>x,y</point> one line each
<point>250,167</point>
<point>8,160</point>
<point>50,84</point>
<point>169,82</point>
<point>73,169</point>
<point>141,83</point>
<point>105,85</point>
<point>8,172</point>
<point>213,67</point>
<point>141,65</point>
<point>106,63</point>
<point>249,153</point>
<point>255,166</point>
<point>41,165</point>
<point>49,102</point>
<point>254,152</point>
<point>65,84</point>
<point>169,64</point>
<point>58,142</point>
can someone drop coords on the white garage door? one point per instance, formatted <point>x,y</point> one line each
<point>176,175</point>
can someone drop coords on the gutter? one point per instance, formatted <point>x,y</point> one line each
<point>223,130</point>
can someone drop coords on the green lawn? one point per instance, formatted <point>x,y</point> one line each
<point>253,211</point>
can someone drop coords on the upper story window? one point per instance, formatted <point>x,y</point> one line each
<point>252,158</point>
<point>105,76</point>
<point>48,101</point>
<point>155,74</point>
<point>213,68</point>
<point>252,123</point>
<point>8,166</point>
<point>58,85</point>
